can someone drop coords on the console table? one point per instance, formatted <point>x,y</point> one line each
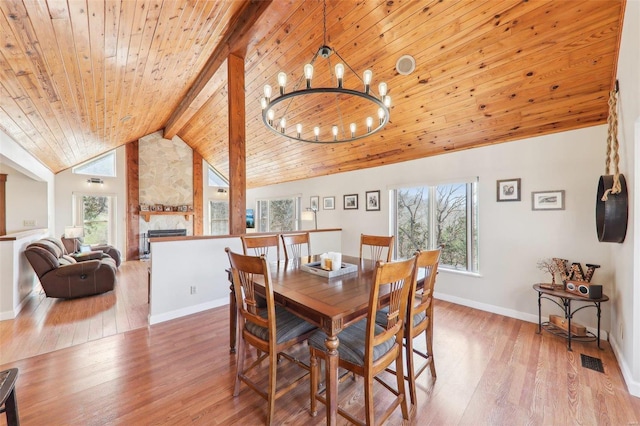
<point>565,298</point>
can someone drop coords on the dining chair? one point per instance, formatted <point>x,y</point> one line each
<point>271,331</point>
<point>258,245</point>
<point>377,244</point>
<point>294,245</point>
<point>366,348</point>
<point>420,318</point>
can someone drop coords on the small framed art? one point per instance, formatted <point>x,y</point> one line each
<point>314,203</point>
<point>547,200</point>
<point>329,203</point>
<point>351,202</point>
<point>508,190</point>
<point>373,200</point>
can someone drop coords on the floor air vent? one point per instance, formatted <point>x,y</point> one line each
<point>592,363</point>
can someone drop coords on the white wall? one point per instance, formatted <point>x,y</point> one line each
<point>67,183</point>
<point>17,277</point>
<point>26,201</point>
<point>179,265</point>
<point>512,236</point>
<point>14,157</point>
<point>625,338</point>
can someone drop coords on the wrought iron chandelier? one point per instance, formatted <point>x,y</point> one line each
<point>325,106</point>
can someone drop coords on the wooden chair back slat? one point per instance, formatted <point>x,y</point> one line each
<point>393,280</point>
<point>378,244</point>
<point>260,245</point>
<point>294,245</point>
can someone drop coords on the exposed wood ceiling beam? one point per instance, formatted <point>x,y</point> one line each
<point>235,39</point>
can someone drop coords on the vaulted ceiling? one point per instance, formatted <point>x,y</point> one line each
<point>79,78</point>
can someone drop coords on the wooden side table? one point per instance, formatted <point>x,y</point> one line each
<point>565,304</point>
<point>8,402</point>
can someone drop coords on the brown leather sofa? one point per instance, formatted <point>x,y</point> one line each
<point>61,275</point>
<point>71,244</point>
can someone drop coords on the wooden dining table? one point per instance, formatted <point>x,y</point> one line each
<point>330,303</point>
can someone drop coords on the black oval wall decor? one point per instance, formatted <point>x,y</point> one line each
<point>612,215</point>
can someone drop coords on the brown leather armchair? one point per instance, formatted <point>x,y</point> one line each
<point>61,275</point>
<point>72,244</point>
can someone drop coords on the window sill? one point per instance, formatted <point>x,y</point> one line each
<point>459,272</point>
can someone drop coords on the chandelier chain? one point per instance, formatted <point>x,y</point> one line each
<point>324,22</point>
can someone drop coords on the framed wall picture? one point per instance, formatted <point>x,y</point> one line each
<point>508,190</point>
<point>351,202</point>
<point>329,203</point>
<point>373,200</point>
<point>547,200</point>
<point>314,203</point>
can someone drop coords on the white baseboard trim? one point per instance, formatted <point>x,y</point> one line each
<point>155,319</point>
<point>8,315</point>
<point>632,385</point>
<point>604,335</point>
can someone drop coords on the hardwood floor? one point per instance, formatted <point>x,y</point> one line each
<point>48,324</point>
<point>492,370</point>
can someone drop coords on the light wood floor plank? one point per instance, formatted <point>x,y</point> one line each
<point>95,361</point>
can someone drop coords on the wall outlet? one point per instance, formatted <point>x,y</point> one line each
<point>30,222</point>
<point>193,289</point>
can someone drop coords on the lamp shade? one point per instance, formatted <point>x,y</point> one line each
<point>73,231</point>
<point>307,216</point>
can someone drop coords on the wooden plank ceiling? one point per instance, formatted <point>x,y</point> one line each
<point>79,78</point>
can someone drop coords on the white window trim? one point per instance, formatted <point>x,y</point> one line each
<point>77,212</point>
<point>432,186</point>
<point>107,154</point>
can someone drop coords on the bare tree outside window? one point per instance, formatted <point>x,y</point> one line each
<point>95,219</point>
<point>219,214</point>
<point>278,215</point>
<point>439,216</point>
<point>413,221</point>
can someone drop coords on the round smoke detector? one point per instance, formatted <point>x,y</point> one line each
<point>405,64</point>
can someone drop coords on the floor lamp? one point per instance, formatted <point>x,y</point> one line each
<point>74,233</point>
<point>311,214</point>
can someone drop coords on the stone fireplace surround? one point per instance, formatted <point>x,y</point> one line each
<point>165,177</point>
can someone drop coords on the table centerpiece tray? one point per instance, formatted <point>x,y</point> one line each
<point>315,268</point>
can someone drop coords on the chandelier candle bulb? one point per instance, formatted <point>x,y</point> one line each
<point>382,89</point>
<point>387,101</point>
<point>308,74</point>
<point>282,82</point>
<point>267,92</point>
<point>334,131</point>
<point>352,127</point>
<point>381,115</point>
<point>369,123</point>
<point>271,115</point>
<point>316,132</point>
<point>299,129</point>
<point>263,103</point>
<point>366,78</point>
<point>339,74</point>
<point>283,124</point>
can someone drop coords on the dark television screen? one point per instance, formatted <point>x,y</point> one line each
<point>251,223</point>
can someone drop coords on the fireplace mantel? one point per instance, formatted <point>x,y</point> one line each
<point>147,215</point>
